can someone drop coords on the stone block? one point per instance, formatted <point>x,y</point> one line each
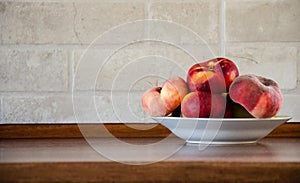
<point>291,107</point>
<point>202,17</point>
<point>278,62</point>
<point>262,20</point>
<point>33,70</point>
<point>136,67</point>
<point>37,109</point>
<point>63,22</point>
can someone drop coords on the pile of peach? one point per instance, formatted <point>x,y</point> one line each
<point>214,89</point>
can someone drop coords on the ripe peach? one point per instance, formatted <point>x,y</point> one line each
<point>260,96</point>
<point>153,104</point>
<point>161,101</point>
<point>204,104</point>
<point>214,75</point>
<point>173,92</point>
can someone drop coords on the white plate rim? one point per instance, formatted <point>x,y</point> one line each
<point>275,118</point>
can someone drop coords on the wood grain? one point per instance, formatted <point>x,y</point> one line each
<point>287,130</point>
<point>118,130</point>
<point>74,131</point>
<point>74,160</point>
<point>158,172</point>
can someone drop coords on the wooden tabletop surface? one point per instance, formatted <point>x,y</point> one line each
<point>147,159</point>
<point>138,150</point>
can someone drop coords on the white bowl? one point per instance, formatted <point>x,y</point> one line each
<point>221,130</point>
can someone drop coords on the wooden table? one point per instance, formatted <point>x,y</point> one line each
<point>74,160</point>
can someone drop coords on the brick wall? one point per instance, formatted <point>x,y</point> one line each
<point>45,44</point>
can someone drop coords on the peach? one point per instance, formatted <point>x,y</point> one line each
<point>204,104</point>
<point>260,96</point>
<point>162,101</point>
<point>214,75</point>
<point>173,92</point>
<point>153,104</point>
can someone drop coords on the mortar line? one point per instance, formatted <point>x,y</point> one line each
<point>147,16</point>
<point>45,94</point>
<point>223,28</point>
<point>2,110</point>
<point>70,70</point>
<point>32,93</point>
<point>103,46</point>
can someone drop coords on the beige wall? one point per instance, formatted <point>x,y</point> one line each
<point>43,42</point>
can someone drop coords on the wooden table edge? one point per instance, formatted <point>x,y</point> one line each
<point>10,131</point>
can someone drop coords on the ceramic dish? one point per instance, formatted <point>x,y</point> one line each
<point>221,130</point>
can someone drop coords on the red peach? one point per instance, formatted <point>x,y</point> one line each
<point>204,105</point>
<point>214,75</point>
<point>260,96</point>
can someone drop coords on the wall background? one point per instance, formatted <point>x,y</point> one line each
<point>41,43</point>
